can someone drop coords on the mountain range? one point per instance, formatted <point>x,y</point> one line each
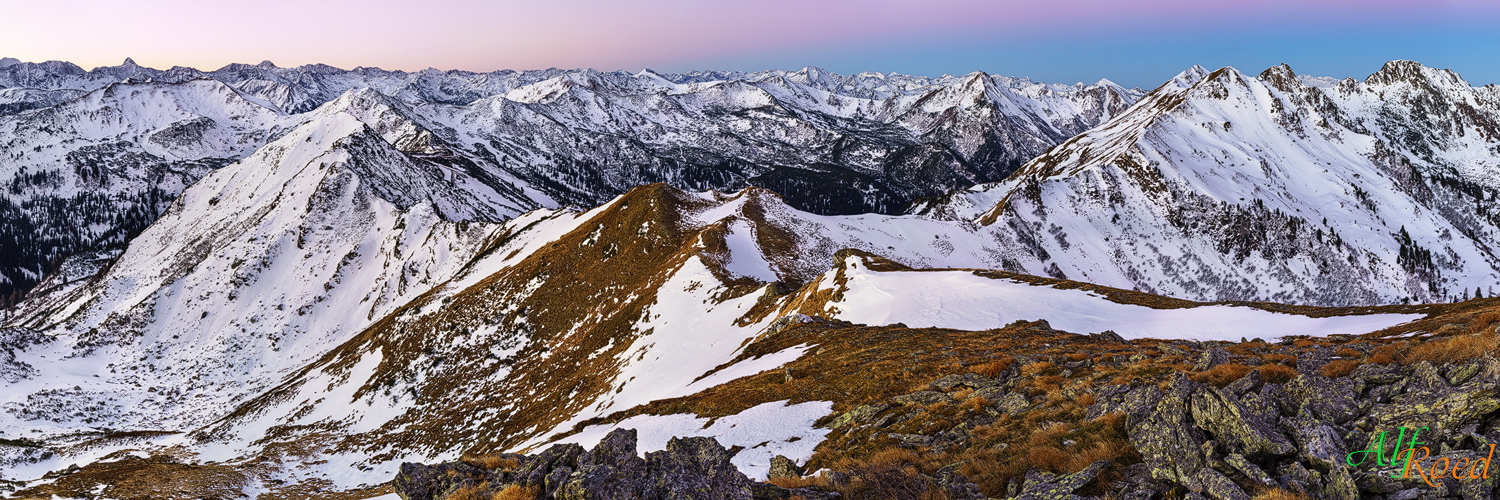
<point>256,264</point>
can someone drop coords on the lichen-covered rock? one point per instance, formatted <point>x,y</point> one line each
<point>1161,428</point>
<point>923,398</point>
<point>1215,485</point>
<point>1328,399</point>
<point>861,414</point>
<point>972,380</point>
<point>1444,411</point>
<point>535,470</point>
<point>431,482</point>
<point>1241,431</point>
<point>694,468</point>
<point>1042,485</point>
<point>1317,443</point>
<point>783,467</point>
<point>609,471</point>
<point>1211,358</point>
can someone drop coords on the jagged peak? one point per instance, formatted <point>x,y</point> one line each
<point>1281,77</point>
<point>8,61</point>
<point>1189,77</point>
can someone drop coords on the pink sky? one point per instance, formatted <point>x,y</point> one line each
<point>488,35</point>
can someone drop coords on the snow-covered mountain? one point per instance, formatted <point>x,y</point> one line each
<point>1222,186</point>
<point>385,276</point>
<point>112,146</point>
<point>88,173</point>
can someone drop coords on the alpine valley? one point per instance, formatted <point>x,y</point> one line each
<point>265,282</point>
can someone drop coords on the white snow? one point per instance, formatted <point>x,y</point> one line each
<point>965,301</point>
<point>765,430</point>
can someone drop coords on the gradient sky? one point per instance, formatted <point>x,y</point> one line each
<point>1140,43</point>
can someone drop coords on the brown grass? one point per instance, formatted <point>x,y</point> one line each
<point>1222,375</point>
<point>890,474</point>
<point>491,462</point>
<point>1277,494</point>
<point>1381,358</point>
<point>1277,359</point>
<point>1455,349</point>
<point>1277,374</point>
<point>1339,368</point>
<point>994,368</point>
<point>516,492</point>
<point>470,492</point>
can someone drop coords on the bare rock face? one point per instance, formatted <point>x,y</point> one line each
<point>690,468</point>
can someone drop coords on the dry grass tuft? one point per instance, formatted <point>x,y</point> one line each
<point>1338,368</point>
<point>470,492</point>
<point>994,368</point>
<point>492,462</point>
<point>1277,374</point>
<point>1381,358</point>
<point>516,492</point>
<point>1277,494</point>
<point>1222,375</point>
<point>1456,349</point>
<point>892,473</point>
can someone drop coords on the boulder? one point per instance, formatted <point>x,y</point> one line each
<point>783,468</point>
<point>923,398</point>
<point>694,468</point>
<point>1161,428</point>
<point>1042,485</point>
<point>1240,431</point>
<point>1211,358</point>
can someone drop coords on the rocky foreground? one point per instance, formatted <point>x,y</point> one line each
<point>1227,421</point>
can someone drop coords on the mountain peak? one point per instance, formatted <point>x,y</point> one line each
<point>9,61</point>
<point>129,63</point>
<point>1189,77</point>
<point>1282,77</point>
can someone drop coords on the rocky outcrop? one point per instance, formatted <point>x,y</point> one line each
<point>1253,435</point>
<point>691,468</point>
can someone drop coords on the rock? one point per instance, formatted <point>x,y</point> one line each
<point>955,486</point>
<point>1110,336</point>
<point>1211,358</point>
<point>1459,374</point>
<point>1446,410</point>
<point>1107,399</point>
<point>1161,428</point>
<point>948,383</point>
<point>1317,443</point>
<point>609,471</point>
<point>923,398</point>
<point>1046,486</point>
<point>534,471</point>
<point>1012,403</point>
<point>1136,483</point>
<point>1171,350</point>
<point>1329,399</point>
<point>430,482</point>
<point>858,415</point>
<point>1376,374</point>
<point>1250,382</point>
<point>1340,486</point>
<point>1214,485</point>
<point>1425,378</point>
<point>692,468</point>
<point>783,467</point>
<point>914,440</point>
<point>1242,432</point>
<point>1251,471</point>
